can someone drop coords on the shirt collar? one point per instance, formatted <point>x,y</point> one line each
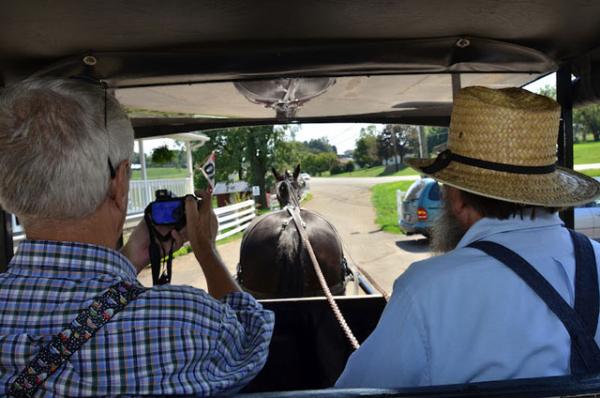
<point>486,227</point>
<point>69,260</point>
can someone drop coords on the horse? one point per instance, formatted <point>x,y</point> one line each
<point>273,260</point>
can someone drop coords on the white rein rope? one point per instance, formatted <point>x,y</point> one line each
<point>295,213</point>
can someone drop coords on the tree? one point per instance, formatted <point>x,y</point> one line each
<point>436,136</point>
<point>365,153</point>
<point>246,152</point>
<point>587,118</point>
<point>162,155</point>
<point>396,140</point>
<point>320,145</point>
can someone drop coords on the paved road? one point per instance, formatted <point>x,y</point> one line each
<point>346,203</point>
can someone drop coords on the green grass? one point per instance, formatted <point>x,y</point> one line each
<point>586,153</point>
<point>377,171</point>
<point>591,172</point>
<point>157,173</point>
<point>384,201</point>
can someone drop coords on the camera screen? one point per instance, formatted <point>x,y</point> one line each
<point>167,212</point>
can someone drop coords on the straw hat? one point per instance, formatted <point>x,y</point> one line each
<point>502,144</point>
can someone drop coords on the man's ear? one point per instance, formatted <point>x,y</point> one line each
<point>464,213</point>
<point>119,186</point>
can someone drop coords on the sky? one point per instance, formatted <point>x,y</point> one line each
<point>342,135</point>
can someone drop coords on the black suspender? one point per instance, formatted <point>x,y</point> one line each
<point>581,322</point>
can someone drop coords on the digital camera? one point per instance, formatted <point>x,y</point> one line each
<point>168,209</point>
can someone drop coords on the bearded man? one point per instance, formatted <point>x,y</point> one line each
<point>515,294</point>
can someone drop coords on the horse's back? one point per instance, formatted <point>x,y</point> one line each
<point>274,262</point>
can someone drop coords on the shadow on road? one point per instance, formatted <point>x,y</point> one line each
<point>418,245</point>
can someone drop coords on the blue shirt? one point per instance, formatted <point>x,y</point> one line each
<point>465,317</point>
<point>170,340</point>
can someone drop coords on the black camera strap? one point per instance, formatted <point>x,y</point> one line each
<point>161,262</point>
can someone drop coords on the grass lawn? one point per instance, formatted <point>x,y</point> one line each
<point>591,172</point>
<point>157,173</point>
<point>377,171</point>
<point>586,153</point>
<point>384,200</point>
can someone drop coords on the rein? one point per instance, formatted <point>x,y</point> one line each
<point>294,211</point>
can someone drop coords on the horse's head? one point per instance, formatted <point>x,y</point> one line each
<point>288,189</point>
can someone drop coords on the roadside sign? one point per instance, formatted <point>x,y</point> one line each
<point>255,190</point>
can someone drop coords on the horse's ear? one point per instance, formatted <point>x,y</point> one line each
<point>297,171</point>
<point>277,176</point>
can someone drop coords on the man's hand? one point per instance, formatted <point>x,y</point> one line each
<point>202,227</point>
<point>137,247</point>
<point>202,224</point>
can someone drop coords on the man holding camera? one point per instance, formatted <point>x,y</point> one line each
<point>75,321</point>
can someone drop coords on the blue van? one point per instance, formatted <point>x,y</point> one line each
<point>420,207</point>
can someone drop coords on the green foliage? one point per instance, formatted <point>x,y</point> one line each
<point>586,119</point>
<point>384,200</point>
<point>337,168</point>
<point>246,152</point>
<point>436,136</point>
<point>349,167</point>
<point>320,145</point>
<point>396,139</point>
<point>316,164</point>
<point>162,155</point>
<point>366,154</point>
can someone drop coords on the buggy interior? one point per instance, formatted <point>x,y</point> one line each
<point>240,63</point>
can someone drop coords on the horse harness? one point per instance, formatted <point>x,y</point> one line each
<point>580,321</point>
<point>336,289</point>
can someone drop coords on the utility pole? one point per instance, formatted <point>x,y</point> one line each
<point>395,146</point>
<point>423,153</point>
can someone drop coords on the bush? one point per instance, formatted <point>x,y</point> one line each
<point>349,167</point>
<point>336,169</point>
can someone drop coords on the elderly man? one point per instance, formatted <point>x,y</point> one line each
<point>505,300</point>
<point>74,320</point>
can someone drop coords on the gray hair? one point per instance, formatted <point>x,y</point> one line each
<point>55,148</point>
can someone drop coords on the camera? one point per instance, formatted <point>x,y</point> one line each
<point>167,209</point>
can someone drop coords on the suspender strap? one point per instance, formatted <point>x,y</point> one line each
<point>587,295</point>
<point>51,357</point>
<point>583,343</point>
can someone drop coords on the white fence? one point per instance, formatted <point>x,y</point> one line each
<point>142,192</point>
<point>235,218</point>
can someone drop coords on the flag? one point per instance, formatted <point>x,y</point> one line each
<point>208,169</point>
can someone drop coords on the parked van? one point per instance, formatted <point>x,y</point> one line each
<point>420,207</point>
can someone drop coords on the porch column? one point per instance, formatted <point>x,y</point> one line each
<point>146,191</point>
<point>190,166</point>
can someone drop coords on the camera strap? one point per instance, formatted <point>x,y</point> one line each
<point>161,262</point>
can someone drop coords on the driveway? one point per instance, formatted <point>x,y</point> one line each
<point>346,203</point>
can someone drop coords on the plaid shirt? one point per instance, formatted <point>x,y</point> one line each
<point>170,340</point>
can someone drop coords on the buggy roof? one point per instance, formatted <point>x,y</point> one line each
<point>389,60</point>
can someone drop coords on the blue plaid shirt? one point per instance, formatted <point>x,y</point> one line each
<point>170,340</point>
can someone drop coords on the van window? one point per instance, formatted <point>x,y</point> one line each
<point>434,192</point>
<point>415,190</point>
